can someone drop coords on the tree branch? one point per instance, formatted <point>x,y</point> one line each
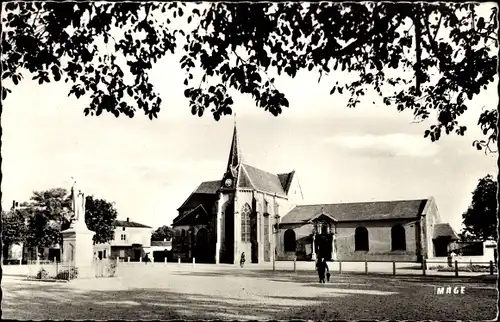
<point>418,50</point>
<point>437,28</point>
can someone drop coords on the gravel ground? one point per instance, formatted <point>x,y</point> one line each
<point>228,292</point>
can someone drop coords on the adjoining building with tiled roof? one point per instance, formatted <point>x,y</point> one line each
<point>261,214</point>
<point>396,230</point>
<point>131,242</point>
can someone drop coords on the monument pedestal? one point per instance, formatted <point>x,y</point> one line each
<point>78,248</point>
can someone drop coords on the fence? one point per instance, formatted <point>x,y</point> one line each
<point>440,268</point>
<point>54,270</point>
<point>47,270</point>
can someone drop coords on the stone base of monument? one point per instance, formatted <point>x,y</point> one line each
<point>78,248</point>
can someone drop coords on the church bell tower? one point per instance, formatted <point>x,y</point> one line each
<point>230,178</point>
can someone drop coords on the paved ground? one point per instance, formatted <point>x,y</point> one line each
<point>227,292</point>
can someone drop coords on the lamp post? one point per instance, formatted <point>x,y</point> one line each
<point>313,256</point>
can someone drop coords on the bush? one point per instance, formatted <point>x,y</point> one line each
<point>469,268</point>
<point>72,273</point>
<point>111,269</point>
<point>42,274</point>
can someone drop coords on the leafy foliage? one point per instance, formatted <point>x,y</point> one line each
<point>49,213</point>
<point>429,58</point>
<point>13,227</point>
<point>100,216</point>
<point>161,233</point>
<point>480,219</point>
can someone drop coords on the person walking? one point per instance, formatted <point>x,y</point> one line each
<point>242,259</point>
<point>322,267</point>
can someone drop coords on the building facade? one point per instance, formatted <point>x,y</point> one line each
<point>261,214</point>
<point>238,214</point>
<point>402,230</point>
<point>131,240</point>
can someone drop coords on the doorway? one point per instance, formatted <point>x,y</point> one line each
<point>324,246</point>
<point>229,234</point>
<point>202,247</point>
<point>253,238</point>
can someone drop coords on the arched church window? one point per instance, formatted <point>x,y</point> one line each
<point>398,237</point>
<point>246,212</point>
<point>290,241</point>
<point>361,239</point>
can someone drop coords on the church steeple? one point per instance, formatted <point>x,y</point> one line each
<point>235,157</point>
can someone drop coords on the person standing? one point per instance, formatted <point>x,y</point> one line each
<point>322,268</point>
<point>242,259</point>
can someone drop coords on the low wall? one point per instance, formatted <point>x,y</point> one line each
<point>476,260</point>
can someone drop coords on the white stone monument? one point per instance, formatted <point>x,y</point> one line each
<point>78,246</point>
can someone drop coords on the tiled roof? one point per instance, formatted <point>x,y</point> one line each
<point>358,211</point>
<point>209,187</point>
<point>197,214</point>
<point>124,223</point>
<point>205,194</point>
<point>257,179</point>
<point>444,230</point>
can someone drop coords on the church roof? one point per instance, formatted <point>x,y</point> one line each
<point>247,177</point>
<point>205,193</point>
<point>235,156</point>
<point>209,187</point>
<point>195,215</point>
<point>444,230</point>
<point>286,180</point>
<point>257,179</point>
<point>358,211</point>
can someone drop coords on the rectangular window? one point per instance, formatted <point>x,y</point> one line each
<point>104,254</point>
<point>123,237</point>
<point>122,253</point>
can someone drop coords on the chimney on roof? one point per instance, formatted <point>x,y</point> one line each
<point>164,239</point>
<point>128,219</point>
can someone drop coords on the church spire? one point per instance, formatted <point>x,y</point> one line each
<point>235,157</point>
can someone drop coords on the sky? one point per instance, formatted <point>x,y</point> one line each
<point>148,168</point>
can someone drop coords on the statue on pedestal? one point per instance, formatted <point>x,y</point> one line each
<point>78,239</point>
<point>78,198</point>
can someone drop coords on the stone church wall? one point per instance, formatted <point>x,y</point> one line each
<point>259,209</point>
<point>379,238</point>
<point>180,243</point>
<point>303,245</point>
<point>182,246</point>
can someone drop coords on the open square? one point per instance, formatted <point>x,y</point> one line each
<point>254,292</point>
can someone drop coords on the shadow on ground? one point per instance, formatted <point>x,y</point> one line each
<point>349,297</point>
<point>310,277</point>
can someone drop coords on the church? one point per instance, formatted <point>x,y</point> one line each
<point>262,215</point>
